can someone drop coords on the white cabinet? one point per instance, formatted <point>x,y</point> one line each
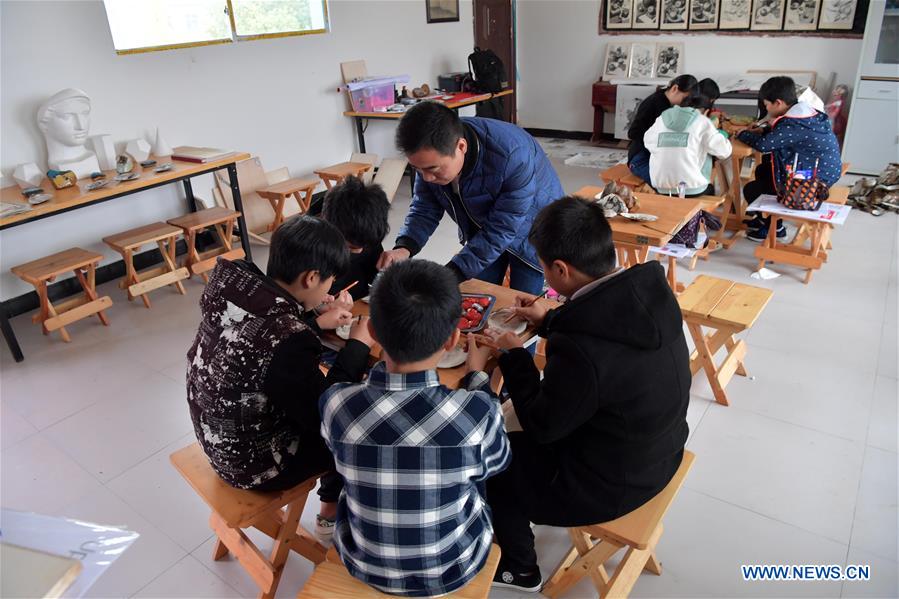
<point>872,138</point>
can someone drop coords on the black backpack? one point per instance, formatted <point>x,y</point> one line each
<point>487,70</point>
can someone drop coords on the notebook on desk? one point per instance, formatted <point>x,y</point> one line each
<point>200,155</point>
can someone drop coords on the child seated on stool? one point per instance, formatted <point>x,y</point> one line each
<point>681,144</point>
<point>681,89</point>
<point>604,430</point>
<point>413,519</point>
<point>794,131</point>
<point>359,212</point>
<point>253,378</point>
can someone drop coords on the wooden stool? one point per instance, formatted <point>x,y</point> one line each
<point>729,308</point>
<point>55,317</point>
<point>278,193</point>
<point>639,531</point>
<point>622,175</point>
<point>330,580</point>
<point>141,283</point>
<point>338,172</point>
<point>236,509</point>
<point>222,220</point>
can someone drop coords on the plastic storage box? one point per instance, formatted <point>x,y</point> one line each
<point>374,94</point>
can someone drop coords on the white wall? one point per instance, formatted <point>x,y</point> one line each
<point>274,98</point>
<point>560,56</point>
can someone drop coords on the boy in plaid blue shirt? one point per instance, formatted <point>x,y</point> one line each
<point>412,519</point>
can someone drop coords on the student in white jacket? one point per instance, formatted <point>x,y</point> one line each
<point>681,143</point>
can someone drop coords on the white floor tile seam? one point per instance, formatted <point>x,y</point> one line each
<point>763,515</point>
<point>189,555</point>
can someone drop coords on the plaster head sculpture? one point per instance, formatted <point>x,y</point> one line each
<point>65,120</point>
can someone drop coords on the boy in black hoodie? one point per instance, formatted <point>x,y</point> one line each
<point>604,430</point>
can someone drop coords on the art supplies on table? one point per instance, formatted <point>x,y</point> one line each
<point>834,214</point>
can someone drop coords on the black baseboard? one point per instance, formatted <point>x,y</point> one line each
<point>559,134</point>
<point>116,270</point>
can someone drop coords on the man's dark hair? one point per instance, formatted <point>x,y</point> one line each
<point>303,243</point>
<point>685,83</point>
<point>429,125</point>
<point>779,88</point>
<point>575,231</point>
<point>415,306</point>
<point>359,211</point>
<point>709,89</point>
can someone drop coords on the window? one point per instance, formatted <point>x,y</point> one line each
<point>147,25</point>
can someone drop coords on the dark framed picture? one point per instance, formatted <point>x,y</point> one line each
<point>442,11</point>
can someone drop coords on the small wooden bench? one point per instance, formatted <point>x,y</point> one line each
<point>127,243</point>
<point>43,271</point>
<point>277,194</point>
<point>222,220</point>
<point>639,532</point>
<point>235,509</point>
<point>728,308</point>
<point>330,580</point>
<point>622,175</point>
<point>338,172</point>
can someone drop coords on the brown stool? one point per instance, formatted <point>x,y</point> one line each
<point>222,221</point>
<point>330,580</point>
<point>338,172</point>
<point>55,317</point>
<point>728,308</point>
<point>278,193</point>
<point>639,531</point>
<point>141,283</point>
<point>235,509</point>
<point>622,175</point>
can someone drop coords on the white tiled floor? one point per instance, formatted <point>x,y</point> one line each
<point>800,469</point>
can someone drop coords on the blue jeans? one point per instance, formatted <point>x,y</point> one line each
<point>639,165</point>
<point>522,277</point>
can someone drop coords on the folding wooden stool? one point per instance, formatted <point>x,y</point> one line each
<point>728,308</point>
<point>639,532</point>
<point>622,175</point>
<point>140,284</point>
<point>235,509</point>
<point>55,317</point>
<point>330,580</point>
<point>220,219</point>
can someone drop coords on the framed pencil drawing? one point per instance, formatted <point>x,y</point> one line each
<point>735,14</point>
<point>646,14</point>
<point>703,14</point>
<point>767,15</point>
<point>802,15</point>
<point>674,14</point>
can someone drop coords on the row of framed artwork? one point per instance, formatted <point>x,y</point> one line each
<point>643,61</point>
<point>756,15</point>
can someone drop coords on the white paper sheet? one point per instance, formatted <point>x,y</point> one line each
<point>834,214</point>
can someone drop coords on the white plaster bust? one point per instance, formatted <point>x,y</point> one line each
<point>65,120</point>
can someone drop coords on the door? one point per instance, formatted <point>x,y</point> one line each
<point>494,29</point>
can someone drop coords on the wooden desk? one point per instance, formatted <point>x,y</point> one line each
<point>451,377</point>
<point>72,198</point>
<point>634,238</point>
<point>467,100</point>
<point>605,95</point>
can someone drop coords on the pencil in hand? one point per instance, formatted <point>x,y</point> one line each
<point>348,287</point>
<point>527,305</point>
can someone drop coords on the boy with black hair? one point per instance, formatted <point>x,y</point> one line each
<point>793,131</point>
<point>604,430</point>
<point>253,378</point>
<point>359,212</point>
<point>709,89</point>
<point>681,144</point>
<point>413,519</point>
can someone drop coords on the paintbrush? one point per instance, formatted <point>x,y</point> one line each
<point>348,287</point>
<point>527,305</point>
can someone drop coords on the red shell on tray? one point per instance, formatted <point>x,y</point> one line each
<point>473,312</point>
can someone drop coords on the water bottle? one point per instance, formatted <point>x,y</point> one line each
<point>682,189</point>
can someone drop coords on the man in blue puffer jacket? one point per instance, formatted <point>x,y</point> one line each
<point>491,177</point>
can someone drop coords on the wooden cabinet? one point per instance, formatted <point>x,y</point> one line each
<point>604,95</point>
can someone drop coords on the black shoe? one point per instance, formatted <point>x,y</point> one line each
<point>755,222</point>
<point>760,235</point>
<point>529,583</point>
